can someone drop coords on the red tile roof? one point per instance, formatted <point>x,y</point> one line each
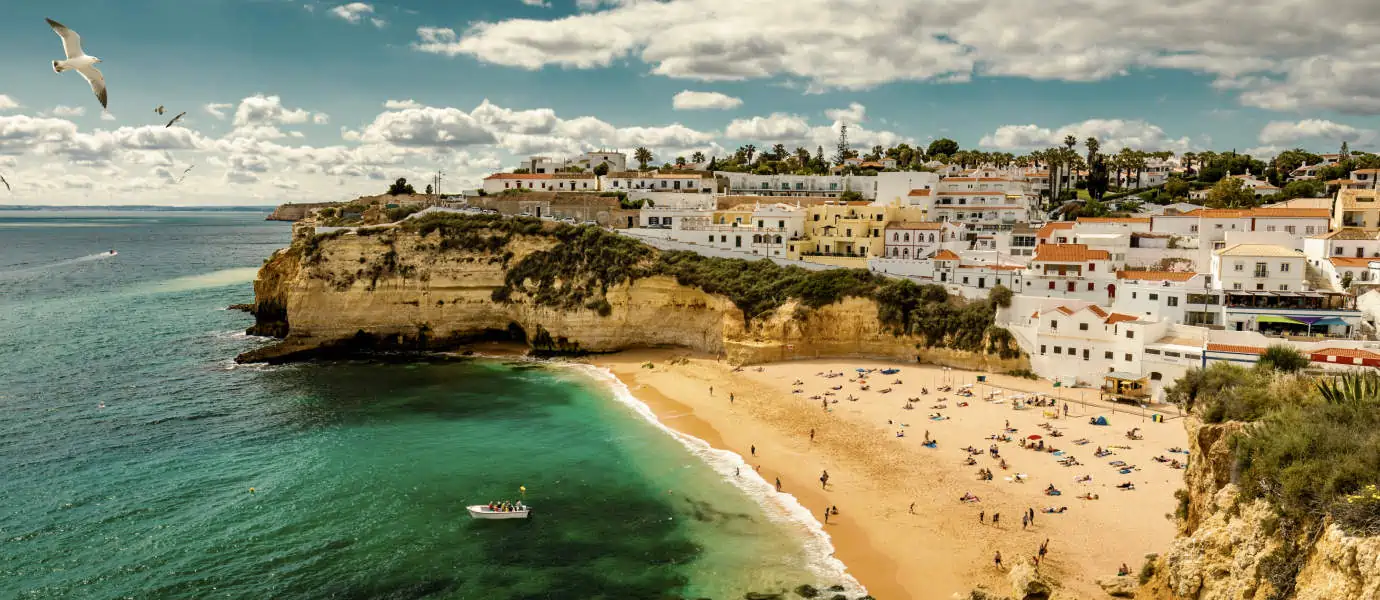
<point>541,176</point>
<point>1097,310</point>
<point>918,193</point>
<point>945,255</point>
<point>1049,228</point>
<point>1233,349</point>
<point>1069,253</point>
<point>1346,261</point>
<point>1115,318</point>
<point>1114,220</point>
<point>1270,213</point>
<point>1155,275</point>
<point>1345,353</point>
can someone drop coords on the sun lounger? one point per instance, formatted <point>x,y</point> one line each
<point>1117,463</point>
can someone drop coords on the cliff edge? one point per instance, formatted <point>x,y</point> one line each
<point>296,212</point>
<point>439,282</point>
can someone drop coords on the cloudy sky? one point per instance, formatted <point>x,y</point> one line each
<point>302,101</point>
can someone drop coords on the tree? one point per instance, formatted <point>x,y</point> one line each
<point>697,157</point>
<point>643,156</point>
<point>1093,146</point>
<point>601,170</point>
<point>1098,179</point>
<point>1283,358</point>
<point>1230,192</point>
<point>1176,188</point>
<point>1303,188</point>
<point>521,171</point>
<point>944,146</point>
<point>680,162</point>
<point>1346,280</point>
<point>843,149</point>
<point>748,151</point>
<point>1288,160</point>
<point>428,189</point>
<point>779,151</point>
<point>400,187</point>
<point>1345,153</point>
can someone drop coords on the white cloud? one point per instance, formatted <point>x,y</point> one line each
<point>777,127</point>
<point>106,116</point>
<point>1317,130</point>
<point>8,103</point>
<point>68,111</point>
<point>377,22</point>
<point>427,127</point>
<point>354,12</point>
<point>217,110</point>
<point>690,100</point>
<point>1328,64</point>
<point>539,3</point>
<point>321,118</point>
<point>853,115</point>
<point>284,184</point>
<point>1113,134</point>
<point>401,104</point>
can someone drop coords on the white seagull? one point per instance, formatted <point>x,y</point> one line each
<point>76,59</point>
<point>174,119</point>
<point>184,174</point>
<point>7,184</point>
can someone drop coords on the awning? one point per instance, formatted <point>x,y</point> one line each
<point>1330,321</point>
<point>1278,319</point>
<point>1123,376</point>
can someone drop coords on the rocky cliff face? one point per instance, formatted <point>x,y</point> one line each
<point>394,288</point>
<point>295,212</point>
<point>1230,549</point>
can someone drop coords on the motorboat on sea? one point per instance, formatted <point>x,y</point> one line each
<point>499,510</point>
<point>112,252</point>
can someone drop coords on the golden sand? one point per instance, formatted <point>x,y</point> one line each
<point>875,476</point>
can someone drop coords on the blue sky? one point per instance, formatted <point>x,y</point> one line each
<point>312,80</point>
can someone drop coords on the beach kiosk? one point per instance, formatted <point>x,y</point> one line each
<point>1126,387</point>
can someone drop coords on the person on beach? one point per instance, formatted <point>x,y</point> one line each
<point>754,450</point>
<point>812,434</point>
<point>912,508</point>
<point>711,390</point>
<point>1031,513</point>
<point>982,514</point>
<point>1044,549</point>
<point>1024,521</point>
<point>835,510</point>
<point>996,518</point>
<point>996,559</point>
<point>1066,409</point>
<point>824,480</point>
<point>778,484</point>
<point>825,404</point>
<point>826,515</point>
<point>735,471</point>
<point>730,397</point>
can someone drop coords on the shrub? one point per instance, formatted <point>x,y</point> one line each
<point>1282,357</point>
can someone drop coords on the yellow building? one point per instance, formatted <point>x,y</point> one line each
<point>1356,208</point>
<point>847,234</point>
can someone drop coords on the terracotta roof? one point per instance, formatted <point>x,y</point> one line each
<point>1115,318</point>
<point>1155,275</point>
<point>541,176</point>
<point>1350,233</point>
<point>1271,213</point>
<point>1342,181</point>
<point>945,255</point>
<point>972,206</point>
<point>1114,220</point>
<point>1050,228</point>
<point>1069,253</point>
<point>1270,250</point>
<point>1233,349</point>
<point>1366,171</point>
<point>918,193</point>
<point>993,267</point>
<point>1038,174</point>
<point>1346,261</point>
<point>925,225</point>
<point>1345,353</point>
<point>1064,309</point>
<point>1097,310</point>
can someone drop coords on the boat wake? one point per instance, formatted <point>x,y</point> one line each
<point>59,264</point>
<point>777,506</point>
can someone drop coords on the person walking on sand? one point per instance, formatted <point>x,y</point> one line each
<point>735,471</point>
<point>1030,512</point>
<point>711,390</point>
<point>912,508</point>
<point>996,559</point>
<point>824,480</point>
<point>1024,521</point>
<point>812,434</point>
<point>982,514</point>
<point>996,518</point>
<point>730,397</point>
<point>826,515</point>
<point>778,484</point>
<point>754,450</point>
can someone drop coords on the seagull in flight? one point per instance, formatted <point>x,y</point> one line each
<point>76,59</point>
<point>159,110</point>
<point>7,184</point>
<point>184,174</point>
<point>174,119</point>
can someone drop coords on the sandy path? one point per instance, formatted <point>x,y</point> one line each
<point>874,476</point>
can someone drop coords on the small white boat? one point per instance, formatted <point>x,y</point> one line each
<point>482,511</point>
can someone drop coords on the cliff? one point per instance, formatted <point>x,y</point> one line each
<point>568,289</point>
<point>1231,548</point>
<point>296,212</point>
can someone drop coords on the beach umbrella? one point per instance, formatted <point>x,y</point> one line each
<point>862,370</point>
<point>1033,437</point>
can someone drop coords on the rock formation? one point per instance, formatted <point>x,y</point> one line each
<point>296,212</point>
<point>398,287</point>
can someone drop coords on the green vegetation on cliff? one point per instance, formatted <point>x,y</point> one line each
<point>585,262</point>
<point>1313,444</point>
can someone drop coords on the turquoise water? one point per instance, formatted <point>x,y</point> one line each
<point>129,442</point>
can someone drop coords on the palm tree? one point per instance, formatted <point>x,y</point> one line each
<point>680,162</point>
<point>1188,162</point>
<point>1093,146</point>
<point>697,157</point>
<point>1070,141</point>
<point>643,157</point>
<point>748,151</point>
<point>779,151</point>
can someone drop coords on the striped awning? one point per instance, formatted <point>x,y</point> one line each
<point>1278,319</point>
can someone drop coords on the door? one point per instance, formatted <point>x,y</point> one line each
<point>538,212</point>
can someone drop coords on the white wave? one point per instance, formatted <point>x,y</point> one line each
<point>63,263</point>
<point>777,506</point>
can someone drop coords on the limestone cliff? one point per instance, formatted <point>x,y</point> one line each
<point>398,287</point>
<point>296,212</point>
<point>1232,549</point>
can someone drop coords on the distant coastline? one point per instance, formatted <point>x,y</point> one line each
<point>140,207</point>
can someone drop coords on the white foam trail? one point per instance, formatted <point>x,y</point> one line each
<point>777,506</point>
<point>213,279</point>
<point>63,263</point>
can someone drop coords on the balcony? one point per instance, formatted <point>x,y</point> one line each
<point>1261,274</point>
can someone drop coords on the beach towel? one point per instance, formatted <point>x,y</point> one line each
<point>931,444</point>
<point>1117,463</point>
<point>939,418</point>
<point>1100,420</point>
<point>1124,471</point>
<point>1080,442</point>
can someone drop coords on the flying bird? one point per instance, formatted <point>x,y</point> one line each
<point>174,119</point>
<point>7,184</point>
<point>184,174</point>
<point>76,59</point>
<point>159,110</point>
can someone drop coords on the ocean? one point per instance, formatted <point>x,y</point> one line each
<point>138,461</point>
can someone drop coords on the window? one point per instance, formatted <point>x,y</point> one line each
<point>1042,348</point>
<point>1283,267</point>
<point>1152,351</point>
<point>1172,354</point>
<point>1308,230</point>
<point>1154,297</point>
<point>1240,267</point>
<point>1130,335</point>
<point>1082,326</point>
<point>1219,226</point>
<point>1269,228</point>
<point>965,281</point>
<point>1058,350</point>
<point>1283,287</point>
<point>1085,354</point>
<point>1128,357</point>
<point>711,239</point>
<point>1133,295</point>
<point>1235,286</point>
<point>1053,324</point>
<point>1090,286</point>
<point>1070,286</point>
<point>1260,287</point>
<point>1193,229</point>
<point>780,224</point>
<point>737,241</point>
<point>1107,355</point>
<point>1092,267</point>
<point>1337,251</point>
<point>1051,285</point>
<point>1173,300</point>
<point>1288,228</point>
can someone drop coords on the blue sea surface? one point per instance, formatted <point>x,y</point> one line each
<point>138,461</point>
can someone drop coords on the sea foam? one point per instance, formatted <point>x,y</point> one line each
<point>777,506</point>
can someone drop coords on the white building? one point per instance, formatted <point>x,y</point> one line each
<point>1071,271</point>
<point>534,182</point>
<point>829,186</point>
<point>616,161</point>
<point>1259,267</point>
<point>898,186</point>
<point>1259,187</point>
<point>634,182</point>
<point>1212,224</point>
<point>916,240</point>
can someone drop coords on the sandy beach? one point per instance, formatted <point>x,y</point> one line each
<point>874,476</point>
